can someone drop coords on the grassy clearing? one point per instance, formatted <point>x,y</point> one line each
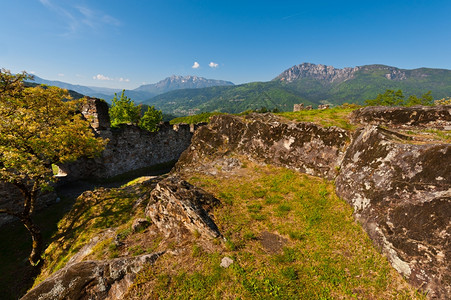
<point>325,254</point>
<point>92,213</point>
<point>337,116</point>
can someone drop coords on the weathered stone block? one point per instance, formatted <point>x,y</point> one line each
<point>175,206</point>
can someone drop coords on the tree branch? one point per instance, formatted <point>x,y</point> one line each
<point>8,212</point>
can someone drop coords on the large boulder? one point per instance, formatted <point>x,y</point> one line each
<point>401,194</point>
<point>306,147</point>
<point>176,206</point>
<point>108,279</point>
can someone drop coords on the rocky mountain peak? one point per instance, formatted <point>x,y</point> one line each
<point>175,82</point>
<point>319,72</point>
<point>331,74</point>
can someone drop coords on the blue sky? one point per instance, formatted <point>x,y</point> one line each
<point>123,44</point>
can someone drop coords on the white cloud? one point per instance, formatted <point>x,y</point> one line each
<point>32,72</point>
<point>106,78</point>
<point>195,65</point>
<point>101,77</point>
<point>45,2</point>
<point>77,18</point>
<point>61,75</point>
<point>213,65</point>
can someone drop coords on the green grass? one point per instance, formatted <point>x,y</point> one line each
<point>337,116</point>
<point>327,255</point>
<point>199,118</point>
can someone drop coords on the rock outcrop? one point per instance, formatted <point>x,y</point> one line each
<point>176,206</point>
<point>318,72</point>
<point>306,147</point>
<point>108,279</point>
<point>401,194</point>
<point>329,74</point>
<point>416,116</point>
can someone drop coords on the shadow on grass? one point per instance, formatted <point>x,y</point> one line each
<point>16,274</point>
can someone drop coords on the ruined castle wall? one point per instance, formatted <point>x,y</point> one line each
<point>131,148</point>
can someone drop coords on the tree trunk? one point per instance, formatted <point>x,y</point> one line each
<point>35,255</point>
<point>30,195</point>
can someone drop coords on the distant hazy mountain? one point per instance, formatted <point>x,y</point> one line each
<point>180,82</point>
<point>143,92</point>
<point>72,93</point>
<point>309,84</point>
<point>100,92</point>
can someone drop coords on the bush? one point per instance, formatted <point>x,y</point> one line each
<point>151,119</point>
<point>124,111</point>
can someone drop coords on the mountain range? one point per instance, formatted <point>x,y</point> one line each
<point>311,84</point>
<point>143,92</point>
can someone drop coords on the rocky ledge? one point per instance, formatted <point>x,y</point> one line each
<point>305,147</point>
<point>401,194</point>
<point>438,117</point>
<point>91,279</point>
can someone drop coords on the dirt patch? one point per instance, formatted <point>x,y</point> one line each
<point>272,243</point>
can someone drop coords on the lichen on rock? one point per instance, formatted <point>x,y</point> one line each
<point>108,279</point>
<point>305,147</point>
<point>401,194</point>
<point>176,206</point>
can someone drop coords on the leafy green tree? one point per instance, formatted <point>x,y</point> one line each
<point>426,99</point>
<point>392,98</point>
<point>151,119</point>
<point>124,111</point>
<point>38,129</point>
<point>389,98</point>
